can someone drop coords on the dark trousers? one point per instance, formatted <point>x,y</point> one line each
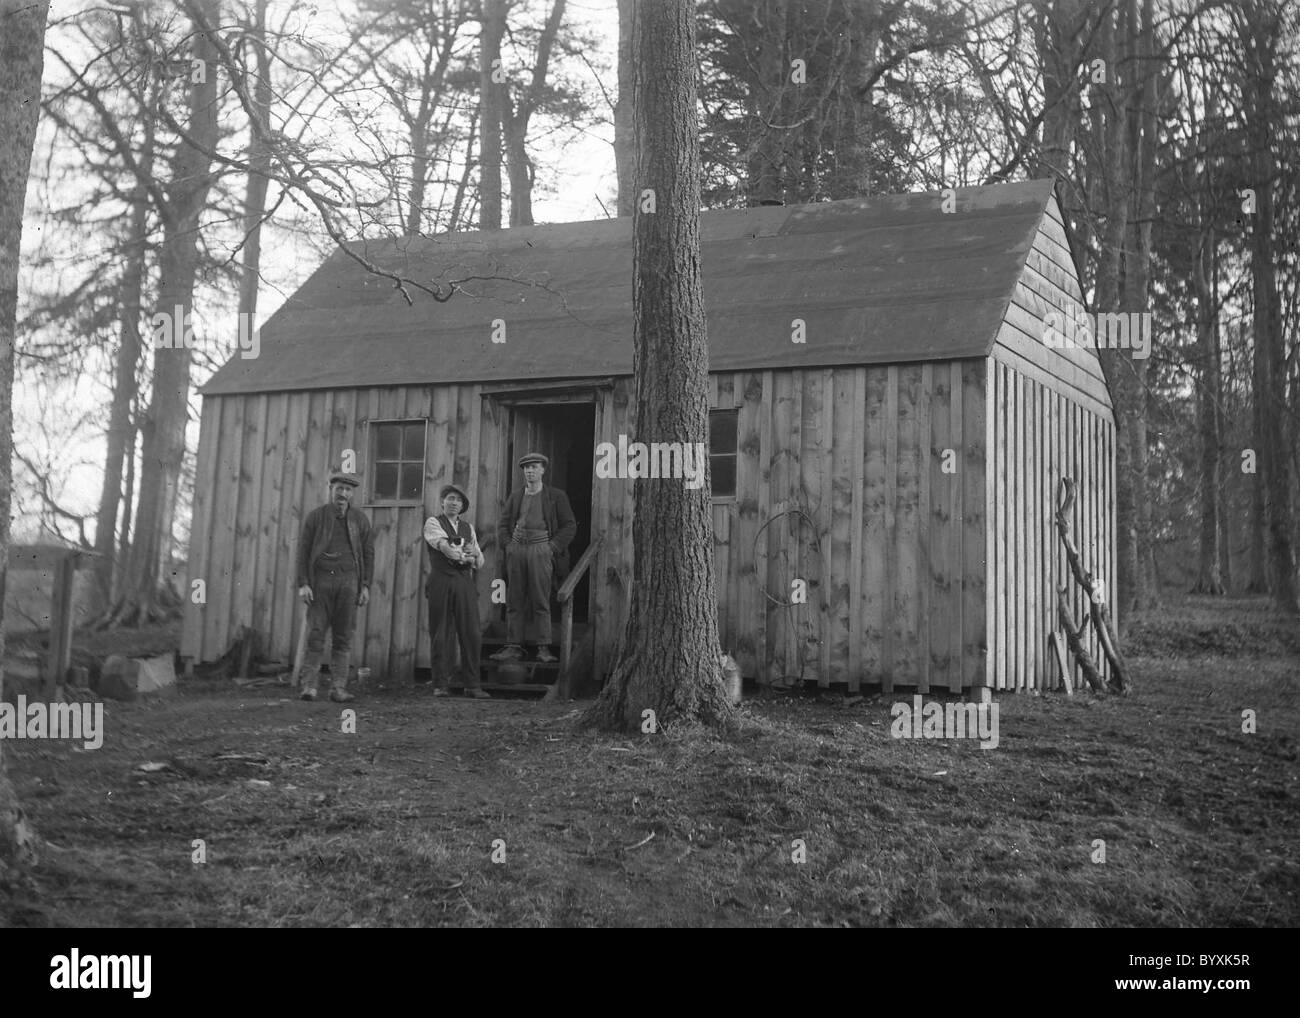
<point>453,617</point>
<point>333,608</point>
<point>528,592</point>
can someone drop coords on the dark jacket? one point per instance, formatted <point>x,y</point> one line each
<point>560,524</point>
<point>317,529</point>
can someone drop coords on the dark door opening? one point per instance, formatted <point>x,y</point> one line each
<point>565,434</point>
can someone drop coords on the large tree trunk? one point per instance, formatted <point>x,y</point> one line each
<point>22,53</point>
<point>671,660</point>
<point>491,113</point>
<point>1259,43</point>
<point>164,427</point>
<point>624,143</point>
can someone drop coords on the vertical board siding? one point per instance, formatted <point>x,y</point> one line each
<point>944,558</point>
<point>1016,514</point>
<point>782,535</point>
<point>840,547</point>
<point>216,620</point>
<point>741,580</point>
<point>977,535</point>
<point>1000,535</point>
<point>287,625</point>
<point>853,540</point>
<point>200,556</point>
<point>244,606</point>
<point>1040,436</point>
<point>269,508</point>
<point>890,505</point>
<point>896,593</point>
<point>923,576</point>
<point>872,552</point>
<point>904,574</point>
<point>916,576</point>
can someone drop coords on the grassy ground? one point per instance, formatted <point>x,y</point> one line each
<point>303,824</point>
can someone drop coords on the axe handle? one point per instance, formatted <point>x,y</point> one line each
<point>301,651</point>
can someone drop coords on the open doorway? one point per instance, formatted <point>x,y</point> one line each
<point>564,432</point>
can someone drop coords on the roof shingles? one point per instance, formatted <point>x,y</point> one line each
<point>877,280</point>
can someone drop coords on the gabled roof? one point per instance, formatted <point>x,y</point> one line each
<point>875,280</point>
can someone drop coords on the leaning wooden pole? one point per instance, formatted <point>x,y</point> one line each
<point>1119,677</point>
<point>1074,639</point>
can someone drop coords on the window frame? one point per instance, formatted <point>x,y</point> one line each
<point>372,464</point>
<point>734,455</point>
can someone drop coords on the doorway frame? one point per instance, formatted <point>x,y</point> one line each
<point>587,392</point>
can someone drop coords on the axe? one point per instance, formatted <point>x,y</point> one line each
<point>301,651</point>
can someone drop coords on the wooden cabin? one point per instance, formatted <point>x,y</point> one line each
<point>899,455</point>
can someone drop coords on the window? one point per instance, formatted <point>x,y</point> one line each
<point>722,452</point>
<point>397,462</point>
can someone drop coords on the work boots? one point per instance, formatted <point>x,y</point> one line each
<point>310,677</point>
<point>339,677</point>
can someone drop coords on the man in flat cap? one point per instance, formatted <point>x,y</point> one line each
<point>536,527</point>
<point>454,555</point>
<point>336,560</point>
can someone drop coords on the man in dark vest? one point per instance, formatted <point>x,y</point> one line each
<point>336,560</point>
<point>535,530</point>
<point>454,555</point>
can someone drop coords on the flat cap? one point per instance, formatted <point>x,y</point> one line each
<point>456,489</point>
<point>351,480</point>
<point>534,457</point>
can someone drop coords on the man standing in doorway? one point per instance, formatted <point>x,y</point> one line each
<point>336,560</point>
<point>535,530</point>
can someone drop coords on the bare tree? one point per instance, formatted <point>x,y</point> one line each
<point>413,54</point>
<point>165,422</point>
<point>516,115</point>
<point>121,432</point>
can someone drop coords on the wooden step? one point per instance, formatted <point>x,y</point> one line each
<point>496,645</point>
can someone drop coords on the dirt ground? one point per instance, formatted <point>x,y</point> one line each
<point>259,810</point>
